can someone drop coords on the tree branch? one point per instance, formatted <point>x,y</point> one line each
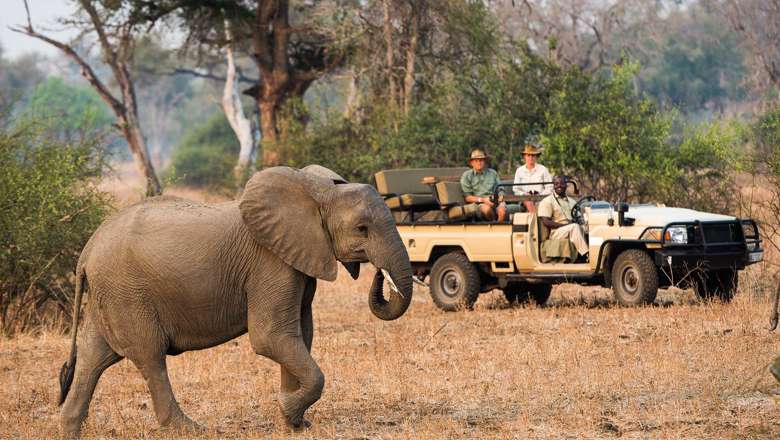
<point>86,70</point>
<point>239,76</point>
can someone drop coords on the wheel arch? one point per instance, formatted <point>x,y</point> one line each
<point>608,253</point>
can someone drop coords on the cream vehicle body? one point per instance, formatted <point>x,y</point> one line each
<point>634,249</point>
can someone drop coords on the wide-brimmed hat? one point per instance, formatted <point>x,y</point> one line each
<point>532,149</point>
<point>478,153</point>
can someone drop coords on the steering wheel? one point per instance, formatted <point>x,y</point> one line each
<point>576,210</point>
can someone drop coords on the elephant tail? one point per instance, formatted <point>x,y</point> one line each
<point>66,373</point>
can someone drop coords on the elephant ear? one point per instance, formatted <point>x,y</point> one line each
<point>327,173</point>
<point>319,170</point>
<point>281,208</point>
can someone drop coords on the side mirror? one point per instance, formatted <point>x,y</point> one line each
<point>622,208</point>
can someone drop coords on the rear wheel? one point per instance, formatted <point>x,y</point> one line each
<point>524,292</point>
<point>454,282</point>
<point>721,284</point>
<point>634,278</point>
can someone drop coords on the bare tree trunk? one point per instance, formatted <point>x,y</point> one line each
<point>137,144</point>
<point>268,127</point>
<point>411,49</point>
<point>388,33</point>
<point>231,104</point>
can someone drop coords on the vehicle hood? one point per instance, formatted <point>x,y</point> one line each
<point>662,215</point>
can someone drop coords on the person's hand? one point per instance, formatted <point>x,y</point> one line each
<point>485,201</point>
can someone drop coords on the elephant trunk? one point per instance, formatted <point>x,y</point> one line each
<point>399,271</point>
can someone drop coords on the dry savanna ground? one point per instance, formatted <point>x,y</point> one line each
<point>581,367</point>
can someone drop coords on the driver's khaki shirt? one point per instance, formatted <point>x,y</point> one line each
<point>558,208</point>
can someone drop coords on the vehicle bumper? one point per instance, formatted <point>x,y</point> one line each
<point>690,259</point>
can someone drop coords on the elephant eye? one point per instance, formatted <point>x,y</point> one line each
<point>363,230</point>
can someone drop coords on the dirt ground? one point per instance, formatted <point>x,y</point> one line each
<point>581,367</point>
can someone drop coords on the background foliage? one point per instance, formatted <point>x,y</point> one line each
<point>49,207</point>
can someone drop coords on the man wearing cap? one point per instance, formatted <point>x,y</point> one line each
<point>532,172</point>
<point>555,213</point>
<point>478,184</point>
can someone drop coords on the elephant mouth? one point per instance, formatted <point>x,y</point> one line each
<point>356,257</point>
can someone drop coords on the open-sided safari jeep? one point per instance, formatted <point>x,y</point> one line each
<point>634,249</point>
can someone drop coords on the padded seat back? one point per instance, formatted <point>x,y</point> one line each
<point>449,193</point>
<point>409,193</point>
<point>408,181</point>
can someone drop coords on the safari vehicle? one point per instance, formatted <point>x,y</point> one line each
<point>634,249</point>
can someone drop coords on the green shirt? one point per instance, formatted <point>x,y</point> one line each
<point>479,184</point>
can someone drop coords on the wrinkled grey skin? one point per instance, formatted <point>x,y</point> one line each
<point>168,275</point>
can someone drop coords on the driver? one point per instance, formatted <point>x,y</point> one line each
<point>555,212</point>
<point>478,185</point>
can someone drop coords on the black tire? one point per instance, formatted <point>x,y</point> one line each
<point>721,284</point>
<point>540,293</point>
<point>454,282</point>
<point>524,292</point>
<point>634,278</point>
<point>511,292</point>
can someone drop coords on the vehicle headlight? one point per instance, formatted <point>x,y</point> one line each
<point>677,234</point>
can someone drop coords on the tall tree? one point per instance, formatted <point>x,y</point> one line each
<point>291,43</point>
<point>234,111</point>
<point>759,22</point>
<point>588,34</point>
<point>116,26</point>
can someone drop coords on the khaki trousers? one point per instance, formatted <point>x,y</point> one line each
<point>572,232</point>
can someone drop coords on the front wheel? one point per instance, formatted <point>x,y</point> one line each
<point>721,284</point>
<point>454,282</point>
<point>634,278</point>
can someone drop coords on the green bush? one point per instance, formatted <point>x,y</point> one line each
<point>49,207</point>
<point>206,156</point>
<point>602,133</point>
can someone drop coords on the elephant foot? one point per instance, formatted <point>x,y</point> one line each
<point>183,424</point>
<point>295,424</point>
<point>301,426</point>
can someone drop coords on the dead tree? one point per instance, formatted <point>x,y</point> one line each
<point>116,40</point>
<point>231,104</point>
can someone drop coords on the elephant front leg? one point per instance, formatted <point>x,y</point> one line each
<point>302,380</point>
<point>289,382</point>
<point>301,385</point>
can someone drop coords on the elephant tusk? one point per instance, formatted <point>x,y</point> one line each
<point>392,283</point>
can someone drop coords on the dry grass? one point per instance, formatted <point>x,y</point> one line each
<point>581,368</point>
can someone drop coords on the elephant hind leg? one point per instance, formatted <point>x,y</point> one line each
<point>94,357</point>
<point>166,408</point>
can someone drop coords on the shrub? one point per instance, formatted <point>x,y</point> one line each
<point>206,156</point>
<point>49,207</point>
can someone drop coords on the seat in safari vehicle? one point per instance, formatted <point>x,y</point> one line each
<point>450,197</point>
<point>404,190</point>
<point>552,250</point>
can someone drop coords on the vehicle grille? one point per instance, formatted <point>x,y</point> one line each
<point>715,233</point>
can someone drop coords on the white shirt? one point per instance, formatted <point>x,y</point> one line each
<point>538,174</point>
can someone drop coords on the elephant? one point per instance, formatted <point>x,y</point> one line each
<point>168,275</point>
